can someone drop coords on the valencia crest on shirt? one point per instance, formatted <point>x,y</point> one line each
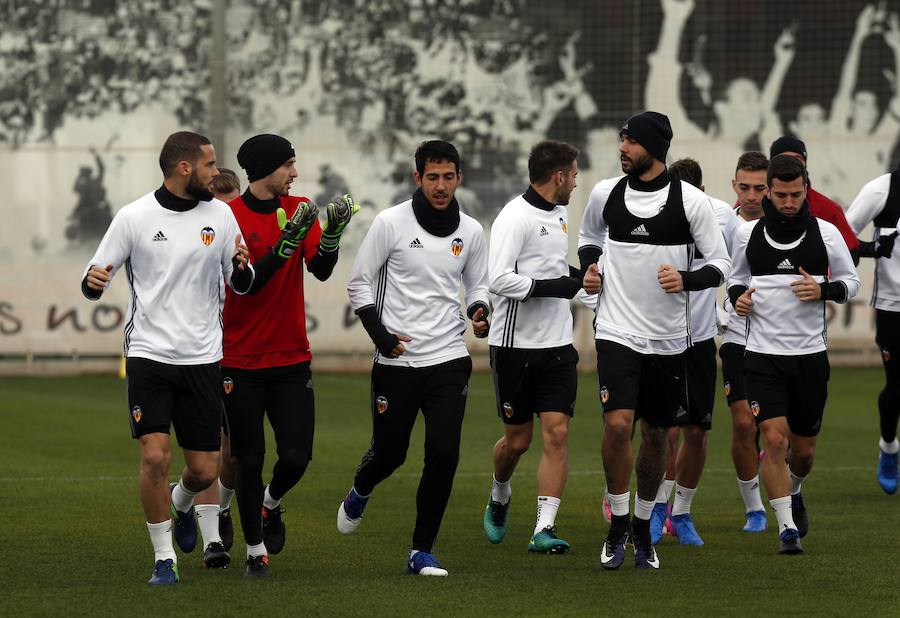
<point>563,225</point>
<point>207,235</point>
<point>456,247</point>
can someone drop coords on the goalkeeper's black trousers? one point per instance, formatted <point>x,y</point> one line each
<point>398,393</point>
<point>285,395</point>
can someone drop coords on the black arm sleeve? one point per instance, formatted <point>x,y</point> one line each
<point>587,255</point>
<point>855,255</point>
<point>89,293</point>
<point>696,280</point>
<point>265,267</point>
<point>866,249</point>
<point>379,335</point>
<point>561,287</point>
<point>734,293</point>
<point>475,307</point>
<point>322,264</point>
<point>834,290</point>
<point>241,280</point>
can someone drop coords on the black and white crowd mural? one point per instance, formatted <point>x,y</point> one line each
<point>90,88</point>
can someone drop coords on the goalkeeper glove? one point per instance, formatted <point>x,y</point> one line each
<point>339,211</point>
<point>881,247</point>
<point>293,231</point>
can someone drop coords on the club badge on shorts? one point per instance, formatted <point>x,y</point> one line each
<point>604,394</point>
<point>727,388</point>
<point>381,404</point>
<point>754,408</point>
<point>228,385</point>
<point>507,409</point>
<point>886,354</point>
<point>456,246</point>
<point>564,225</point>
<point>207,235</point>
<point>136,414</point>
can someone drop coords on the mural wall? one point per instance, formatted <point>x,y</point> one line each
<point>89,89</point>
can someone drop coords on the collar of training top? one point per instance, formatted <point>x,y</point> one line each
<point>170,201</point>
<point>535,199</point>
<point>263,207</point>
<point>781,228</point>
<point>650,185</point>
<point>436,222</point>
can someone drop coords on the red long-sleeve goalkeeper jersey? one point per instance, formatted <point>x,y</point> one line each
<point>268,329</point>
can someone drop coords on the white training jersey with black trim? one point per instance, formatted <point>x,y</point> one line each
<point>527,244</point>
<point>633,310</point>
<point>704,319</point>
<point>413,280</point>
<point>736,329</point>
<point>781,323</point>
<point>175,262</point>
<point>866,208</point>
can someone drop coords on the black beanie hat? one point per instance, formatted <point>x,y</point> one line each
<point>787,143</point>
<point>652,131</point>
<point>263,154</point>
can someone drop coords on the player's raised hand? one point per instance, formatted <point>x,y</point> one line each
<point>670,279</point>
<point>593,283</point>
<point>98,278</point>
<point>338,213</point>
<point>480,325</point>
<point>744,305</point>
<point>806,289</point>
<point>241,256</point>
<point>294,230</point>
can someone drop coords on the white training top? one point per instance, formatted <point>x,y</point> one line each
<point>175,262</point>
<point>736,329</point>
<point>633,309</point>
<point>413,280</point>
<point>865,208</point>
<point>704,320</point>
<point>781,323</point>
<point>528,243</point>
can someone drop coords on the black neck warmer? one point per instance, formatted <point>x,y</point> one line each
<point>436,222</point>
<point>263,207</point>
<point>781,228</point>
<point>170,201</point>
<point>535,199</point>
<point>650,185</point>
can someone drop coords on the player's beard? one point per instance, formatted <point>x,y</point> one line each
<point>638,167</point>
<point>197,190</point>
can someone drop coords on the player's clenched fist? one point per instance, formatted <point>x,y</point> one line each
<point>593,283</point>
<point>98,278</point>
<point>670,279</point>
<point>744,305</point>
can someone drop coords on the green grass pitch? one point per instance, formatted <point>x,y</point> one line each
<point>74,542</point>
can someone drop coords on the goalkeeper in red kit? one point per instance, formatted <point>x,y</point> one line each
<point>266,364</point>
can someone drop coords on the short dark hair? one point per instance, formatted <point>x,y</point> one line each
<point>687,170</point>
<point>226,182</point>
<point>435,151</point>
<point>786,168</point>
<point>181,146</point>
<point>752,161</point>
<point>547,158</point>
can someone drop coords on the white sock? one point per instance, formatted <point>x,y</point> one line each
<point>500,492</point>
<point>643,508</point>
<point>161,538</point>
<point>547,506</point>
<point>683,498</point>
<point>890,448</point>
<point>257,550</point>
<point>208,521</point>
<point>225,496</point>
<point>618,503</point>
<point>750,494</point>
<point>268,501</point>
<point>182,497</point>
<point>782,507</point>
<point>665,490</point>
<point>796,481</point>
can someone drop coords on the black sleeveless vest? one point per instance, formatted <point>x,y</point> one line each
<point>890,214</point>
<point>668,227</point>
<point>810,254</point>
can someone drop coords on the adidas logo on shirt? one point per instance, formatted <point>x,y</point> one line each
<point>640,231</point>
<point>159,236</point>
<point>416,244</point>
<point>544,231</point>
<point>785,265</point>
